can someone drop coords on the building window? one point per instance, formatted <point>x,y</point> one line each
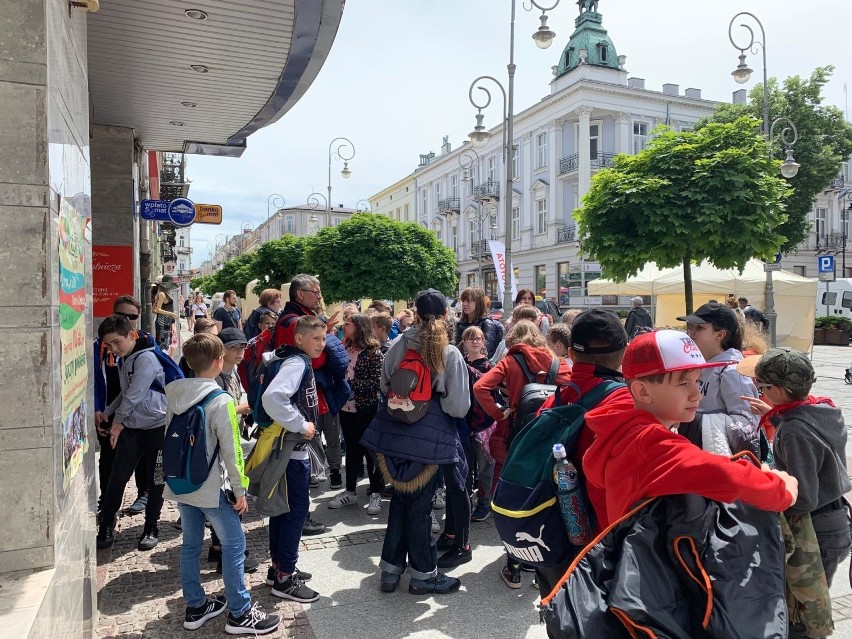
<point>640,136</point>
<point>336,221</point>
<point>396,214</point>
<point>289,223</point>
<point>492,169</point>
<point>454,185</point>
<point>541,216</point>
<point>180,241</point>
<point>541,150</point>
<point>454,236</point>
<point>844,222</point>
<point>473,230</point>
<point>424,196</point>
<point>438,194</point>
<point>516,160</point>
<point>516,223</point>
<point>540,280</point>
<point>594,140</point>
<point>471,280</point>
<point>801,270</point>
<point>405,212</point>
<point>821,227</point>
<point>603,53</point>
<point>562,283</point>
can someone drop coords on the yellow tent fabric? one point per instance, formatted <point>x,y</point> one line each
<point>795,296</point>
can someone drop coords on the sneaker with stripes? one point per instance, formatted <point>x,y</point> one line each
<point>252,622</point>
<point>195,617</point>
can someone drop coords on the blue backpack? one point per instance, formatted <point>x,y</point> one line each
<point>185,464</point>
<point>171,370</point>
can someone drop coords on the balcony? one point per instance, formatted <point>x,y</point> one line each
<point>479,250</point>
<point>488,191</point>
<point>449,206</point>
<point>566,233</point>
<point>571,163</point>
<point>186,250</point>
<point>172,177</point>
<point>831,241</point>
<point>837,183</point>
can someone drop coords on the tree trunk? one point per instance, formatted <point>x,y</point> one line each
<point>687,283</point>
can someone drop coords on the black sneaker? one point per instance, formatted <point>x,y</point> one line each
<point>445,543</point>
<point>387,492</point>
<point>455,557</point>
<point>150,538</point>
<point>195,617</point>
<point>312,527</point>
<point>335,479</point>
<point>512,576</point>
<point>252,622</point>
<point>294,589</point>
<point>137,506</point>
<point>301,574</point>
<point>440,584</point>
<point>106,536</point>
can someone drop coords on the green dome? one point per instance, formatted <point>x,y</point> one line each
<point>591,36</point>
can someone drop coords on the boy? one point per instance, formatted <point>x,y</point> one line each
<point>138,424</point>
<point>382,326</point>
<point>810,444</point>
<point>204,354</point>
<point>282,480</point>
<point>636,455</point>
<point>559,340</point>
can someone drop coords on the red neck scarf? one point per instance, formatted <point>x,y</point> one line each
<point>776,411</point>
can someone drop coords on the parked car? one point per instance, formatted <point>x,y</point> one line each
<point>496,310</point>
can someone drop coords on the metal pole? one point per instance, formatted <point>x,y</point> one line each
<point>479,250</point>
<point>769,310</point>
<point>507,159</point>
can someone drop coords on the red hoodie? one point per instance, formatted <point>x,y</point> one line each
<point>633,457</point>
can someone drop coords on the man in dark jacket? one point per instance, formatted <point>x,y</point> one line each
<point>330,371</point>
<point>752,314</point>
<point>638,319</point>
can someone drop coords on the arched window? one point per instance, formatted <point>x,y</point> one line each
<point>603,53</point>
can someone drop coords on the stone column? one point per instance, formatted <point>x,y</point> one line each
<point>584,149</point>
<point>623,122</point>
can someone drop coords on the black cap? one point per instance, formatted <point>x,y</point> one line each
<point>597,325</point>
<point>231,336</point>
<point>720,315</point>
<point>430,302</point>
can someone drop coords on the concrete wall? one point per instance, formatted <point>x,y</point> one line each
<point>44,134</point>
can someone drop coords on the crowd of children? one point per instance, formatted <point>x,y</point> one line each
<point>682,403</point>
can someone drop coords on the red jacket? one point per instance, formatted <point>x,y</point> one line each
<point>508,373</point>
<point>633,457</point>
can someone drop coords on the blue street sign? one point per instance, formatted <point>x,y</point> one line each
<point>154,210</point>
<point>825,264</point>
<point>181,211</point>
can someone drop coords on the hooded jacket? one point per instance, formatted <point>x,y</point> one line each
<point>139,406</point>
<point>634,457</point>
<point>220,422</point>
<point>810,444</point>
<point>637,318</point>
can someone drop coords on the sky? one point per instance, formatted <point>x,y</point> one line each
<point>397,77</point>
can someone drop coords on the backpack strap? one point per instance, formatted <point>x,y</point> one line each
<point>202,404</point>
<point>553,372</point>
<point>519,358</point>
<point>599,392</point>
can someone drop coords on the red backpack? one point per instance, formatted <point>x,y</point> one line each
<point>410,389</point>
<point>256,347</point>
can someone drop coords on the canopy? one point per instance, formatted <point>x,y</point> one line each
<point>795,296</point>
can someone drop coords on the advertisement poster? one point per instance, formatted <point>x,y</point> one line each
<point>498,254</point>
<point>112,275</point>
<point>72,337</point>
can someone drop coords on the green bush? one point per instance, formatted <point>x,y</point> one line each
<point>834,321</point>
<point>622,313</point>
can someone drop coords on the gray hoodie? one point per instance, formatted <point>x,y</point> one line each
<point>222,429</point>
<point>451,386</point>
<point>138,406</point>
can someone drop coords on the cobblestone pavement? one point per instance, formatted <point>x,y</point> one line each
<point>140,593</point>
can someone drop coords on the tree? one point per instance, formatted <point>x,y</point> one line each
<point>825,140</point>
<point>709,194</point>
<point>235,274</point>
<point>371,255</point>
<point>277,261</point>
<point>204,284</point>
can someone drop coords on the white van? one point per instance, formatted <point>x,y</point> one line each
<point>834,298</point>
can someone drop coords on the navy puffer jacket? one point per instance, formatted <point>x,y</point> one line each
<point>492,330</point>
<point>331,378</point>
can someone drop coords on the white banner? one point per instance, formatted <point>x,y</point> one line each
<point>498,254</point>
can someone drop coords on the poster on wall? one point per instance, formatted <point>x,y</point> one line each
<point>72,337</point>
<point>112,275</point>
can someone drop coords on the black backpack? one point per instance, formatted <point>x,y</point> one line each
<point>534,393</point>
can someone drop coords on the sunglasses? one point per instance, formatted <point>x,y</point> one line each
<point>130,316</point>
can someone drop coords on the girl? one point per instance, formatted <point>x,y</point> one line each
<point>365,366</point>
<point>164,310</point>
<point>410,455</point>
<point>197,311</point>
<point>521,312</point>
<point>475,313</point>
<point>559,340</point>
<point>526,296</point>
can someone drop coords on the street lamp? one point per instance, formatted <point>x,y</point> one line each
<point>275,200</point>
<point>479,137</point>
<point>368,208</point>
<point>339,154</point>
<point>314,204</point>
<point>789,167</point>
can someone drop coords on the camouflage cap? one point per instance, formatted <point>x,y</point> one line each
<point>787,369</point>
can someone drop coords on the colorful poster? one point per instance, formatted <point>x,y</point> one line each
<point>112,275</point>
<point>72,337</point>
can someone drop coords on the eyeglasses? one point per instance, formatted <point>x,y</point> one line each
<point>130,316</point>
<point>474,339</point>
<point>310,290</point>
<point>761,388</point>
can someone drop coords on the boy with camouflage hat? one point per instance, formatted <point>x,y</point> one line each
<point>810,444</point>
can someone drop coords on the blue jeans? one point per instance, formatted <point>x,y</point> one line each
<point>226,523</point>
<point>285,531</point>
<point>409,533</point>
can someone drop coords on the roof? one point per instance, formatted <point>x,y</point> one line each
<point>204,84</point>
<point>589,44</point>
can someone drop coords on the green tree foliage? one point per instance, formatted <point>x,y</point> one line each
<point>709,194</point>
<point>235,274</point>
<point>277,261</point>
<point>825,140</point>
<point>371,255</point>
<point>204,284</point>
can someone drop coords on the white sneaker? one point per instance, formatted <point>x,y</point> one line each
<point>439,499</point>
<point>436,527</point>
<point>375,505</point>
<point>343,499</point>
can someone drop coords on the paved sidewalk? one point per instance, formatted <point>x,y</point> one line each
<point>140,593</point>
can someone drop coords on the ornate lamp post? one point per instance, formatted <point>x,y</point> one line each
<point>789,135</point>
<point>314,204</point>
<point>363,206</point>
<point>338,153</point>
<point>479,136</point>
<point>275,200</point>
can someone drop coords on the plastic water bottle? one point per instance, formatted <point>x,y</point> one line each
<point>573,504</point>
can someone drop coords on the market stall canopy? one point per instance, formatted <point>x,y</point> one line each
<point>795,296</point>
<point>201,77</point>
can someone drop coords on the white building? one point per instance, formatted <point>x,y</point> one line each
<point>593,112</point>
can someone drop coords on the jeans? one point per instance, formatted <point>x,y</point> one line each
<point>328,425</point>
<point>353,426</point>
<point>132,445</point>
<point>485,473</point>
<point>285,530</point>
<point>105,469</point>
<point>458,508</point>
<point>835,539</point>
<point>409,533</point>
<point>226,523</point>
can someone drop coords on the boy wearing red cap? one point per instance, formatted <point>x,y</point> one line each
<point>636,455</point>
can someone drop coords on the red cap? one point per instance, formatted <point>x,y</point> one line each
<point>663,352</point>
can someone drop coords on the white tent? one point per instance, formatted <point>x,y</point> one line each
<point>795,296</point>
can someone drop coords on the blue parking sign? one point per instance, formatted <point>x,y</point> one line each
<point>825,264</point>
